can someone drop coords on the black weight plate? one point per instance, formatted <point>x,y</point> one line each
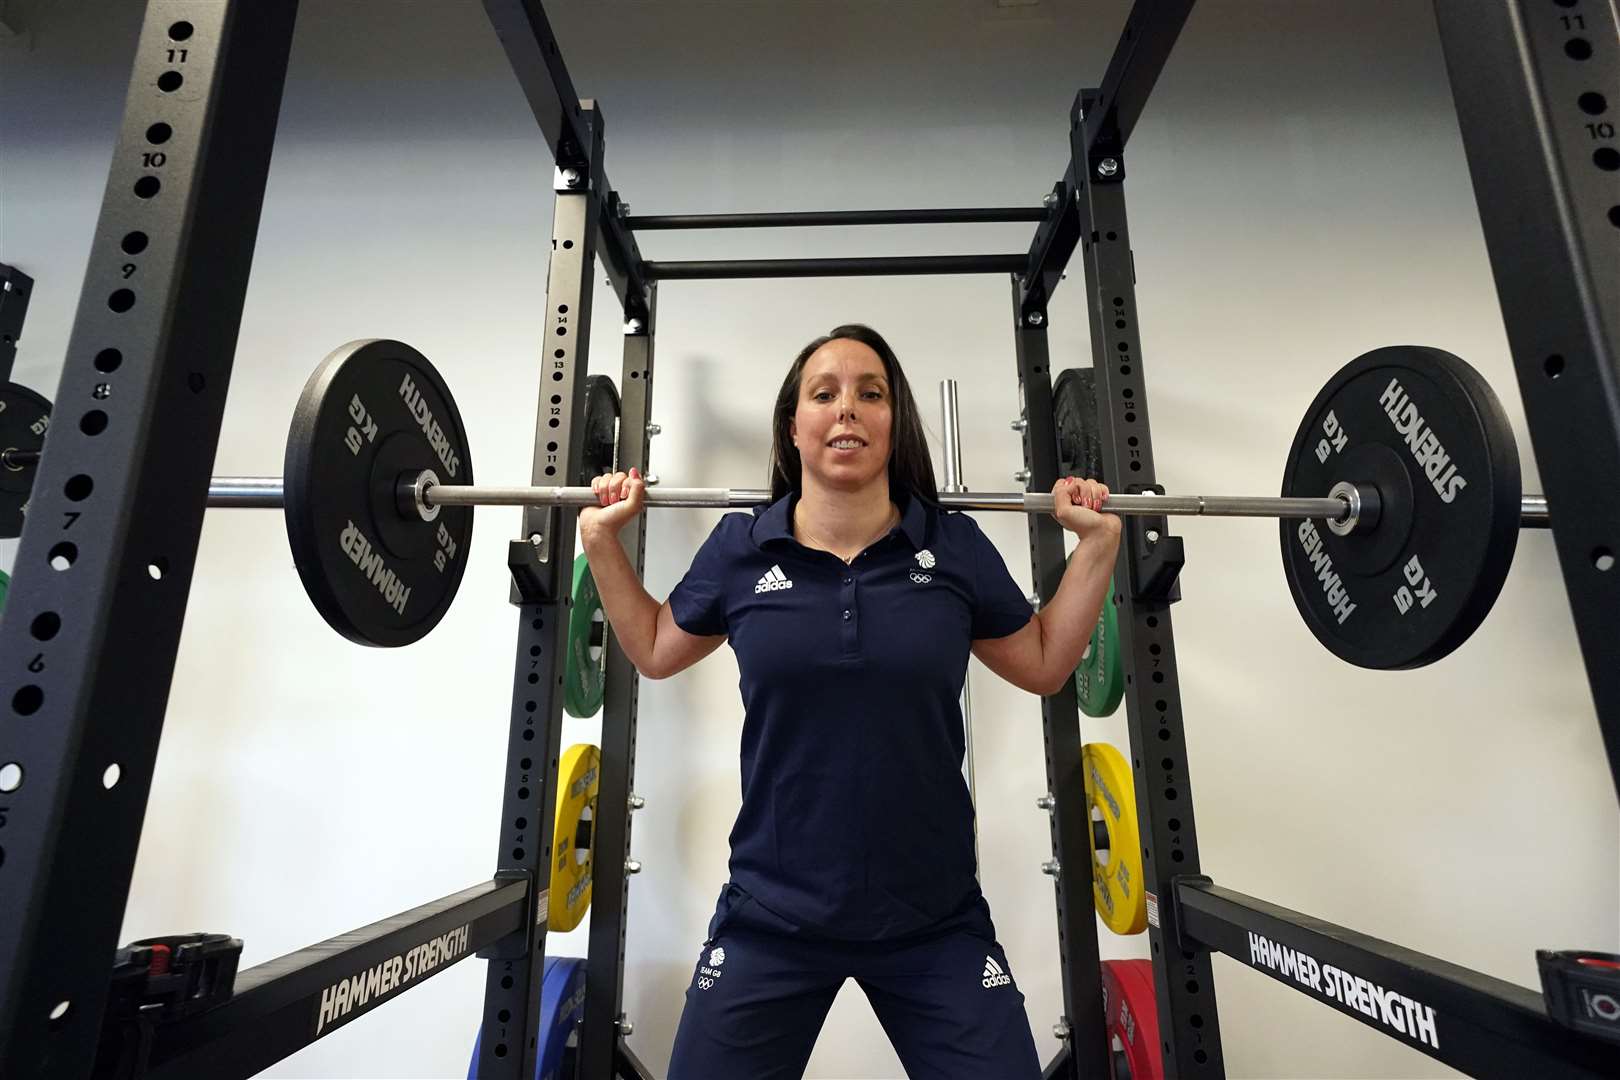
<point>599,450</point>
<point>1074,417</point>
<point>1426,430</point>
<point>24,419</point>
<point>373,414</point>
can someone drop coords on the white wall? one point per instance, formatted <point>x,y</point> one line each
<point>1298,196</point>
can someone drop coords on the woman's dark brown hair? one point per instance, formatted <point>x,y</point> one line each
<point>911,470</point>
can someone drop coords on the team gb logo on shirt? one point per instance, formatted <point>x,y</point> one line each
<point>926,560</point>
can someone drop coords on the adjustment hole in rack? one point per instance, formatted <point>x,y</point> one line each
<point>1593,103</point>
<point>107,360</point>
<point>121,300</point>
<point>1153,622</point>
<point>530,706</point>
<point>1164,734</point>
<point>520,824</point>
<point>1170,794</point>
<point>147,186</point>
<point>523,793</point>
<point>195,382</point>
<point>1177,855</point>
<point>159,133</point>
<point>1606,158</point>
<point>1553,366</point>
<point>562,309</point>
<point>1192,986</point>
<point>45,625</point>
<point>62,555</point>
<point>525,764</point>
<point>1200,1056</point>
<point>170,81</point>
<point>26,701</point>
<point>93,422</point>
<point>504,1015</point>
<point>517,854</point>
<point>78,488</point>
<point>1603,559</point>
<point>1195,1020</point>
<point>111,775</point>
<point>133,243</point>
<point>562,331</point>
<point>157,568</point>
<point>528,735</point>
<point>1130,418</point>
<point>1578,48</point>
<point>1119,301</point>
<point>500,1050</point>
<point>559,354</point>
<point>11,777</point>
<point>1614,215</point>
<point>1175,824</point>
<point>180,31</point>
<point>567,244</point>
<point>506,982</point>
<point>533,678</point>
<point>556,376</point>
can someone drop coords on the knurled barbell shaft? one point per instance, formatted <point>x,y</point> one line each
<point>1029,502</point>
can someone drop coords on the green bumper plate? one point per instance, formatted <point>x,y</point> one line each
<point>587,659</point>
<point>1100,678</point>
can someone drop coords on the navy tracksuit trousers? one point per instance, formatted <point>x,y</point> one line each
<point>761,991</point>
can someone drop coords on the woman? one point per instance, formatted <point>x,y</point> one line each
<point>851,603</point>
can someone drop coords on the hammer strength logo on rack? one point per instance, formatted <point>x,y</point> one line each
<point>1394,1010</point>
<point>377,982</point>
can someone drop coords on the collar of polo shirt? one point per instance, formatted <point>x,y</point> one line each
<point>775,522</point>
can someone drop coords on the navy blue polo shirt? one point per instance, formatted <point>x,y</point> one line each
<point>856,822</point>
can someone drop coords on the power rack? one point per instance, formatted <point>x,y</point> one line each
<point>86,687</point>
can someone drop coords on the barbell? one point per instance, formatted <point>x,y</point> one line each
<point>1405,457</point>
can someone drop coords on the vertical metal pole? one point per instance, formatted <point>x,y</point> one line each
<point>610,895</point>
<point>1188,1024</point>
<point>951,434</point>
<point>1537,90</point>
<point>542,574</point>
<point>92,626</point>
<point>1087,1047</point>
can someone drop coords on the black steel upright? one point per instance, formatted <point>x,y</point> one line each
<point>610,895</point>
<point>1082,1024</point>
<point>1537,90</point>
<point>1149,562</point>
<point>92,627</point>
<point>542,575</point>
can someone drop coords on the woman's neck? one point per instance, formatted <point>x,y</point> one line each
<point>844,522</point>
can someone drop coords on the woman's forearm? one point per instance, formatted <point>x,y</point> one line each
<point>626,604</point>
<point>1069,617</point>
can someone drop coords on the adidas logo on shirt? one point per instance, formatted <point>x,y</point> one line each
<point>993,975</point>
<point>773,580</point>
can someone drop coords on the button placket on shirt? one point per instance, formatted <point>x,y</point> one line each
<point>849,636</point>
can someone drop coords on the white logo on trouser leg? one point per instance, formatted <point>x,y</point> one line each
<point>993,974</point>
<point>708,973</point>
